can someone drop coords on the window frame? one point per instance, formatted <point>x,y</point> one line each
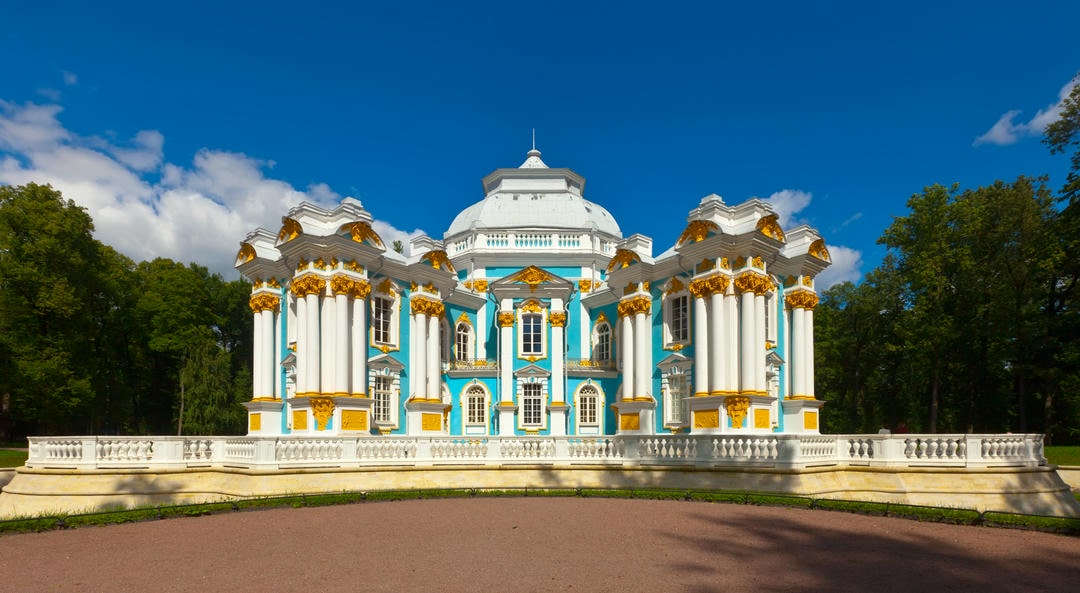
<point>592,409</point>
<point>598,353</point>
<point>676,292</point>
<point>532,309</point>
<point>463,332</point>
<point>392,309</point>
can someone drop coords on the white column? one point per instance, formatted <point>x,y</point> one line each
<point>731,339</point>
<point>717,366</point>
<point>257,347</point>
<point>359,347</point>
<point>507,347</point>
<point>808,380</point>
<point>268,362</point>
<point>313,371</point>
<point>748,333</point>
<point>434,351</point>
<point>341,346</point>
<point>418,345</point>
<point>275,370</point>
<point>558,354</point>
<point>301,345</point>
<point>702,345</point>
<point>326,331</point>
<point>759,345</point>
<point>642,356</point>
<point>626,346</point>
<point>798,382</point>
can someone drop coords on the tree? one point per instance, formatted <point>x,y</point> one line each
<point>55,297</point>
<point>1063,135</point>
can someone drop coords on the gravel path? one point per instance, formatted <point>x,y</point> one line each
<point>538,544</point>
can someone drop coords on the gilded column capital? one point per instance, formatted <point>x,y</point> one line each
<point>557,319</point>
<point>754,282</point>
<point>634,306</point>
<point>427,307</point>
<point>801,299</point>
<point>704,287</point>
<point>307,284</point>
<point>264,302</point>
<point>341,284</point>
<point>506,319</point>
<point>322,408</point>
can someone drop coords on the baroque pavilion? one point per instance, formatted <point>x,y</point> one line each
<point>533,316</point>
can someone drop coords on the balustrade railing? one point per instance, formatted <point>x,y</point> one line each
<point>756,450</point>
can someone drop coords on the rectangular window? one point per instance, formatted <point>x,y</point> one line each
<point>588,409</point>
<point>476,414</point>
<point>532,336</point>
<point>381,392</point>
<point>382,312</point>
<point>531,404</point>
<point>680,319</point>
<point>678,390</point>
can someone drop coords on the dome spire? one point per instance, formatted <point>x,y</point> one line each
<point>532,160</point>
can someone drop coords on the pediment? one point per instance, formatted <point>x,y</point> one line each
<point>385,362</point>
<point>532,370</point>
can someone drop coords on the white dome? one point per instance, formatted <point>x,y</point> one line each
<point>534,196</point>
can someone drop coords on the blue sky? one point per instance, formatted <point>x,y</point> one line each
<point>183,126</point>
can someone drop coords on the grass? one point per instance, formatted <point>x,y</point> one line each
<point>12,458</point>
<point>1062,455</point>
<point>1066,525</point>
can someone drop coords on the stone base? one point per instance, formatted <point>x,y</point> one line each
<point>1039,490</point>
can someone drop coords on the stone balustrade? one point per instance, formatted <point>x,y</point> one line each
<point>756,450</point>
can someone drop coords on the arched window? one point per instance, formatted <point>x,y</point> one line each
<point>475,406</point>
<point>463,342</point>
<point>384,315</point>
<point>588,406</point>
<point>602,342</point>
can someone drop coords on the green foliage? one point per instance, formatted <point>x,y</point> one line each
<point>1062,455</point>
<point>965,327</point>
<point>91,343</point>
<point>1063,135</point>
<point>10,458</point>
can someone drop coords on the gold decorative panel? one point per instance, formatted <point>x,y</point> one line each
<point>255,422</point>
<point>706,418</point>
<point>629,422</point>
<point>299,419</point>
<point>354,420</point>
<point>810,420</point>
<point>762,418</point>
<point>431,422</point>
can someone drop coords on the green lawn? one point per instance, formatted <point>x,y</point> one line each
<point>1063,455</point>
<point>12,458</point>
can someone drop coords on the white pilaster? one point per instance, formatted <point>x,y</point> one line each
<point>341,345</point>
<point>359,347</point>
<point>418,346</point>
<point>748,333</point>
<point>642,356</point>
<point>434,351</point>
<point>701,345</point>
<point>626,343</point>
<point>314,342</point>
<point>717,366</point>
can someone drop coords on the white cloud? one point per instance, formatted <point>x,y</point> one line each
<point>70,78</point>
<point>787,203</point>
<point>1007,131</point>
<point>194,213</point>
<point>846,264</point>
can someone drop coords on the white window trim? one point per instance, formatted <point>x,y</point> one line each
<point>528,308</point>
<point>486,405</point>
<point>470,340</point>
<point>394,297</point>
<point>668,307</point>
<point>593,354</point>
<point>544,395</point>
<point>395,396</point>
<point>599,394</point>
<point>684,367</point>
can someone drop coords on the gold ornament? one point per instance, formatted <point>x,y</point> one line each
<point>322,408</point>
<point>696,231</point>
<point>736,409</point>
<point>533,276</point>
<point>438,260</point>
<point>769,227</point>
<point>557,319</point>
<point>246,253</point>
<point>506,319</point>
<point>818,250</point>
<point>802,299</point>
<point>290,229</point>
<point>307,284</point>
<point>622,259</point>
<point>634,306</point>
<point>263,302</point>
<point>361,231</point>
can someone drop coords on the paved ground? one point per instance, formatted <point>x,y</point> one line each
<point>537,544</point>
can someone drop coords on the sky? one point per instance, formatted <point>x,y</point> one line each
<point>181,127</point>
